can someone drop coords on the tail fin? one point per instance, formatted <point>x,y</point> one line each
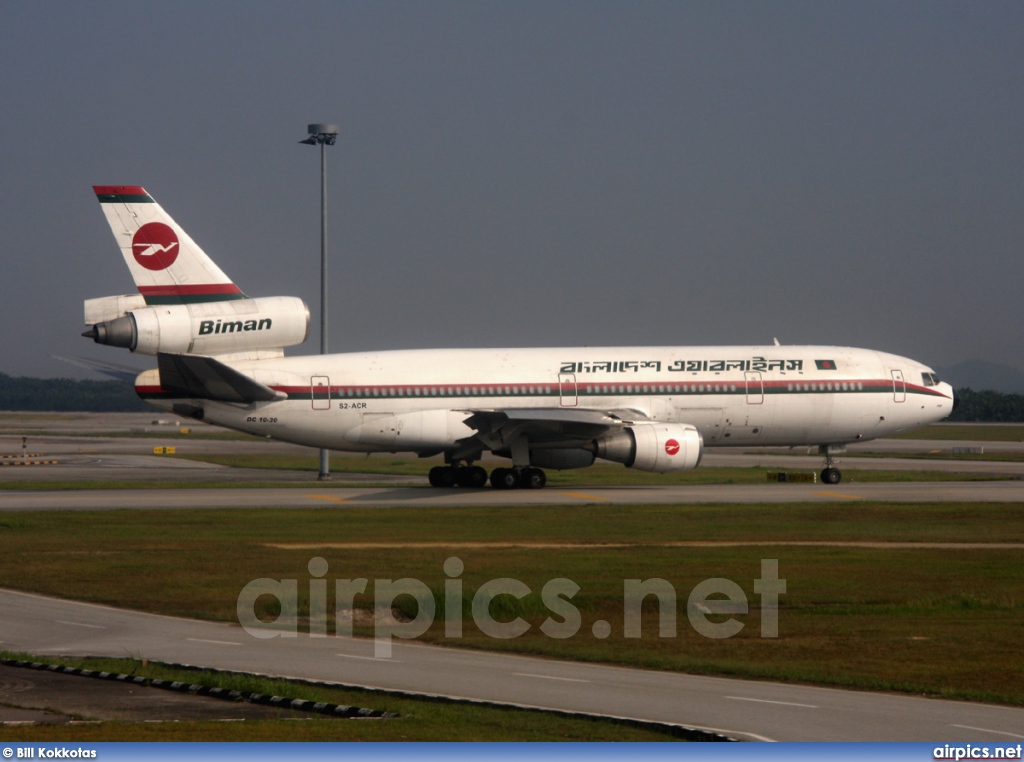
<point>167,265</point>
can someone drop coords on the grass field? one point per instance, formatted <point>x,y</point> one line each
<point>978,432</point>
<point>73,486</point>
<point>992,457</point>
<point>929,620</point>
<point>418,720</point>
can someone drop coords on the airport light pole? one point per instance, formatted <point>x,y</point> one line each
<point>324,135</point>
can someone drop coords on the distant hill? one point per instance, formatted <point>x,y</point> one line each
<point>67,395</point>
<point>989,407</point>
<point>983,375</point>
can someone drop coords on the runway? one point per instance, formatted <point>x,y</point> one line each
<point>851,465</point>
<point>743,709</point>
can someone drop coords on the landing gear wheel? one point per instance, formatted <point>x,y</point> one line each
<point>831,476</point>
<point>532,478</point>
<point>473,477</point>
<point>504,478</point>
<point>442,476</point>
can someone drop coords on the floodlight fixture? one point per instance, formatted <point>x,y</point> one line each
<point>321,134</point>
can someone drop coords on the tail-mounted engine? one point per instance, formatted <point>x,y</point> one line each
<point>211,328</point>
<point>657,447</point>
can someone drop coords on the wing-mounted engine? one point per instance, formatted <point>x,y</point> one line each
<point>205,328</point>
<point>657,447</point>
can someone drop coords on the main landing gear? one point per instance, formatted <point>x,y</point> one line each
<point>522,478</point>
<point>475,477</point>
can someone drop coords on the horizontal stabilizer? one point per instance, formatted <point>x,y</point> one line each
<point>205,378</point>
<point>120,372</point>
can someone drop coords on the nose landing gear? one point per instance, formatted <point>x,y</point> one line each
<point>831,474</point>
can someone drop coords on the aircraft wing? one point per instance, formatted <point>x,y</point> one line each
<point>201,377</point>
<point>548,425</point>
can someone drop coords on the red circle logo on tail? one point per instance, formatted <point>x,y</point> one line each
<point>155,246</point>
<point>672,447</point>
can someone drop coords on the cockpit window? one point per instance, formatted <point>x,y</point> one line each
<point>930,379</point>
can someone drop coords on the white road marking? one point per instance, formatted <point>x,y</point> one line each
<point>550,677</point>
<point>82,624</point>
<point>766,701</point>
<point>370,658</point>
<point>987,730</point>
<point>217,642</point>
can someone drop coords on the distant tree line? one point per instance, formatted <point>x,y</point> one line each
<point>67,395</point>
<point>988,406</point>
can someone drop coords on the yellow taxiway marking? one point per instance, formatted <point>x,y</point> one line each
<point>542,545</point>
<point>837,494</point>
<point>584,497</point>
<point>446,545</point>
<point>328,497</point>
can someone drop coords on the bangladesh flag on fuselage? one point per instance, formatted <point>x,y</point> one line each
<point>825,364</point>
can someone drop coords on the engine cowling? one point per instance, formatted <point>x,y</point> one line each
<point>657,447</point>
<point>212,328</point>
<point>561,459</point>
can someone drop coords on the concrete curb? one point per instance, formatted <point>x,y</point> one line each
<point>684,732</point>
<point>282,702</point>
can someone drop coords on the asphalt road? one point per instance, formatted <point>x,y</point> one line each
<point>740,708</point>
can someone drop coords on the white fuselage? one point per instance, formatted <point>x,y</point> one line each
<point>418,400</point>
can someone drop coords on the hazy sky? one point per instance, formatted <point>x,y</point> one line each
<point>532,173</point>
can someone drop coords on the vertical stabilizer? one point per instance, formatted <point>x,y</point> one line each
<point>167,265</point>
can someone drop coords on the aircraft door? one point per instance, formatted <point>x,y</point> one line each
<point>899,386</point>
<point>320,392</point>
<point>755,388</point>
<point>567,390</point>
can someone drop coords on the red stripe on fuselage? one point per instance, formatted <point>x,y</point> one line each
<point>873,386</point>
<point>196,290</point>
<point>660,388</point>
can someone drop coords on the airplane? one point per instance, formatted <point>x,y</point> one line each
<point>220,359</point>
